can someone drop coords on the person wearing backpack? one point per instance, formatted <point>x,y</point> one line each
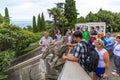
<point>79,50</point>
<point>102,69</point>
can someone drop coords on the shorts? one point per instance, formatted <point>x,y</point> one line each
<point>99,72</point>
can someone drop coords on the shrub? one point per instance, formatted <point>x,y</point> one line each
<point>5,59</point>
<point>14,38</point>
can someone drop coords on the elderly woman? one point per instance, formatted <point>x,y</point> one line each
<point>103,64</point>
<point>116,52</point>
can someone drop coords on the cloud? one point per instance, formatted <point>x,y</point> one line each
<point>85,6</point>
<point>25,9</point>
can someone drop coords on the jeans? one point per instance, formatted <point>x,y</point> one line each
<point>117,63</point>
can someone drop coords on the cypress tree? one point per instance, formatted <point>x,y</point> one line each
<point>42,22</point>
<point>71,12</point>
<point>1,19</point>
<point>7,18</point>
<point>34,24</point>
<point>38,23</point>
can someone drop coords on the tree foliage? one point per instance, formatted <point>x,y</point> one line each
<point>7,18</point>
<point>55,13</point>
<point>81,20</point>
<point>14,38</point>
<point>63,21</point>
<point>112,19</point>
<point>34,24</point>
<point>42,22</point>
<point>91,17</point>
<point>71,12</point>
<point>39,23</point>
<point>1,19</point>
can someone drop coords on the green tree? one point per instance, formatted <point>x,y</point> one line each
<point>38,23</point>
<point>115,23</point>
<point>105,16</point>
<point>1,19</point>
<point>29,28</point>
<point>55,13</point>
<point>42,22</point>
<point>63,21</point>
<point>7,18</point>
<point>81,20</point>
<point>70,12</point>
<point>34,24</point>
<point>91,17</point>
<point>61,7</point>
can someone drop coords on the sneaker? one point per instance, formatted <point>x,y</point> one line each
<point>115,74</point>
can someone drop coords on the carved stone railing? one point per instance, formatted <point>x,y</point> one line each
<point>27,56</point>
<point>38,65</point>
<point>73,71</point>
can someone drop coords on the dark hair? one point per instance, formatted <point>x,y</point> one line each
<point>78,34</point>
<point>92,28</point>
<point>97,27</point>
<point>118,37</point>
<point>78,28</point>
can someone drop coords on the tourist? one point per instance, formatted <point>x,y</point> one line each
<point>103,64</point>
<point>81,29</point>
<point>80,49</point>
<point>116,51</point>
<point>98,29</point>
<point>110,43</point>
<point>70,37</point>
<point>68,31</point>
<point>100,35</point>
<point>73,30</point>
<point>93,36</point>
<point>78,28</point>
<point>58,36</point>
<point>45,41</point>
<point>86,34</point>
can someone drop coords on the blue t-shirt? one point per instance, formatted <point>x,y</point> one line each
<point>110,41</point>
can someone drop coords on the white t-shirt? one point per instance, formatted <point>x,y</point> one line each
<point>69,39</point>
<point>101,53</point>
<point>45,41</point>
<point>116,49</point>
<point>58,37</point>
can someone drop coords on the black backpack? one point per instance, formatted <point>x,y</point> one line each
<point>91,60</point>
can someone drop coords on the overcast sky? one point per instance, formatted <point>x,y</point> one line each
<point>25,9</point>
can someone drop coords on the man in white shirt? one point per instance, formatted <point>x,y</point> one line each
<point>45,41</point>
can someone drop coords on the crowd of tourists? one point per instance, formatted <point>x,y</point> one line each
<point>105,45</point>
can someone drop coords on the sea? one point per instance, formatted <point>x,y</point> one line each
<point>21,23</point>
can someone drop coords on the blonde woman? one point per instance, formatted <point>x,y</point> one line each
<point>103,64</point>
